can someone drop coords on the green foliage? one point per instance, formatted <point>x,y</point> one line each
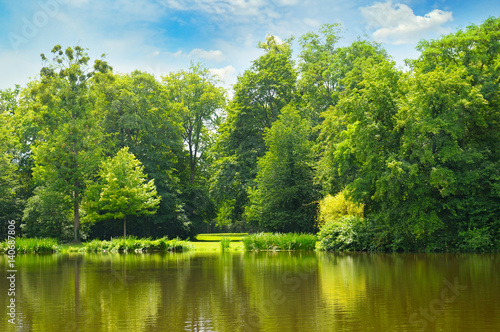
<point>32,246</point>
<point>121,190</point>
<point>69,140</point>
<point>10,202</point>
<point>259,96</point>
<point>332,208</point>
<point>357,134</point>
<point>347,233</point>
<point>419,149</point>
<point>195,97</point>
<point>284,197</point>
<point>279,241</point>
<point>132,243</point>
<point>138,115</point>
<point>475,240</point>
<point>323,67</point>
<point>47,214</point>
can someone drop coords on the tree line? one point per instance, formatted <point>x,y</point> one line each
<point>416,147</point>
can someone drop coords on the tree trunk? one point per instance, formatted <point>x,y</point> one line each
<point>192,161</point>
<point>192,169</point>
<point>76,207</point>
<point>124,227</point>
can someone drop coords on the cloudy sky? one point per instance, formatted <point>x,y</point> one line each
<point>160,36</point>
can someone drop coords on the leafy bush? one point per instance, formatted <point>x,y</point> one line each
<point>475,240</point>
<point>48,214</point>
<point>332,208</point>
<point>344,234</point>
<point>279,241</point>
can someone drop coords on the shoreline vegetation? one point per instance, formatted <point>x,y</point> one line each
<point>214,242</point>
<point>203,242</point>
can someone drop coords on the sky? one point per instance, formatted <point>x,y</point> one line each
<point>161,36</point>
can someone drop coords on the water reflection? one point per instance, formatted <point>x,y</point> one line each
<point>255,292</point>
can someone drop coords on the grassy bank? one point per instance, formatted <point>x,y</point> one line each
<point>133,244</point>
<point>279,241</point>
<point>218,236</point>
<point>32,245</point>
<point>203,242</point>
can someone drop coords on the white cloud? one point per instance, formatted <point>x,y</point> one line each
<point>228,78</point>
<point>397,24</point>
<point>211,55</point>
<point>278,39</point>
<point>226,74</point>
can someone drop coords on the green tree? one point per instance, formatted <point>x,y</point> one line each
<point>68,145</point>
<point>260,95</point>
<point>10,202</point>
<point>137,114</point>
<point>284,198</point>
<point>323,66</point>
<point>48,214</point>
<point>357,134</point>
<point>121,191</point>
<point>199,103</point>
<point>412,148</point>
<point>198,100</point>
<point>473,200</point>
<point>443,172</point>
<point>318,80</point>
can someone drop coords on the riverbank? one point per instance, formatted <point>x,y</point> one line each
<point>202,242</point>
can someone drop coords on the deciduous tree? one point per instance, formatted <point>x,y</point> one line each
<point>122,190</point>
<point>260,95</point>
<point>67,149</point>
<point>284,198</point>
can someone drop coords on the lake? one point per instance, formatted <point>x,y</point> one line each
<point>275,291</point>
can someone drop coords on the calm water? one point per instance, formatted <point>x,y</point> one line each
<point>254,292</point>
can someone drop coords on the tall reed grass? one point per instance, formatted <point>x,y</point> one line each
<point>32,246</point>
<point>279,241</point>
<point>225,242</point>
<point>132,243</point>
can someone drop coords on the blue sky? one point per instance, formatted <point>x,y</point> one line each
<point>160,36</point>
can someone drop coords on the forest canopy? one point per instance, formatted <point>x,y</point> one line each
<point>416,148</point>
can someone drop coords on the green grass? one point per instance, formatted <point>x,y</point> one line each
<point>32,245</point>
<point>218,236</point>
<point>132,243</point>
<point>215,246</point>
<point>204,242</point>
<point>279,241</point>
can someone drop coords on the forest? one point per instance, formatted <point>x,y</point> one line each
<point>336,140</point>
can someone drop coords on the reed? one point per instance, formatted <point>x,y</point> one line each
<point>32,245</point>
<point>225,243</point>
<point>279,241</point>
<point>132,243</point>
